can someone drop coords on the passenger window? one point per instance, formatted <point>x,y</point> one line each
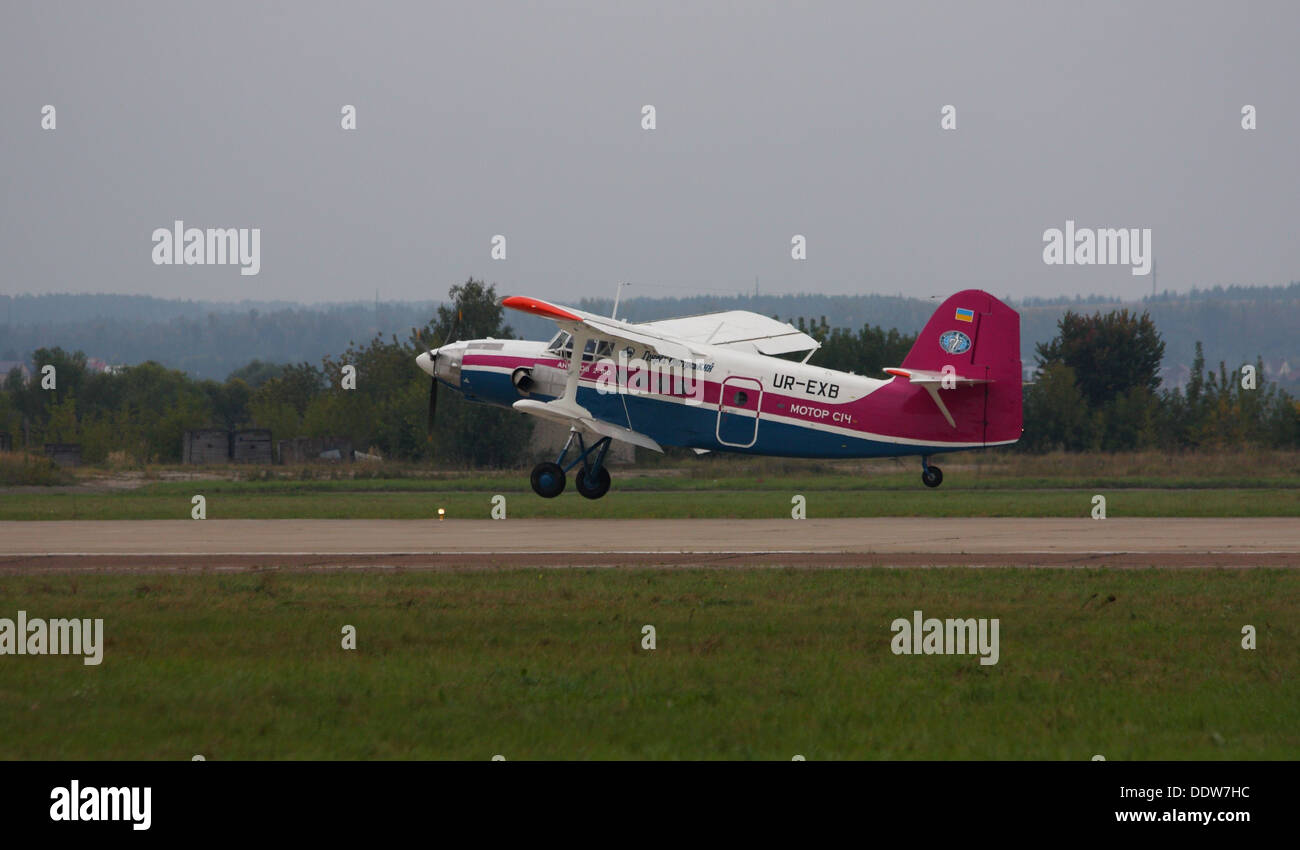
<point>742,398</point>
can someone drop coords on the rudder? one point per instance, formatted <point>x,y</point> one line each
<point>979,337</point>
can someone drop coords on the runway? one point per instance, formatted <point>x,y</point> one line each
<point>179,545</point>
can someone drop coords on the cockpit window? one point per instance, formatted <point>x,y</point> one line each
<point>560,343</point>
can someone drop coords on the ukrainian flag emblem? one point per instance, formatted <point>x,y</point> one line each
<point>964,315</point>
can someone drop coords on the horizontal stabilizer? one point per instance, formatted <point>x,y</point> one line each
<point>932,382</point>
<point>924,376</point>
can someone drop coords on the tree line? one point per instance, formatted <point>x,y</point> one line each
<point>1096,387</point>
<point>143,411</point>
<point>213,339</point>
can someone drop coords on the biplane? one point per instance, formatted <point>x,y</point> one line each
<point>734,381</point>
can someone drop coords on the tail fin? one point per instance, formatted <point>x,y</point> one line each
<point>977,338</point>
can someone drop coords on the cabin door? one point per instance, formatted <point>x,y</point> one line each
<point>738,412</point>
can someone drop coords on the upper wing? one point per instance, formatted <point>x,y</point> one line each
<point>602,327</point>
<point>740,329</point>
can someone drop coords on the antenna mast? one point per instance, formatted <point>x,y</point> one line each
<point>618,293</point>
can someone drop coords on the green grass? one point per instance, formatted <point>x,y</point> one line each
<point>750,664</point>
<point>229,500</point>
<point>634,481</point>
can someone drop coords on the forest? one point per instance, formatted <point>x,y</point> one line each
<point>1096,386</point>
<point>211,340</point>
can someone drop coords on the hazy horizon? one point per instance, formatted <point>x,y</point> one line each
<point>628,298</point>
<point>772,119</point>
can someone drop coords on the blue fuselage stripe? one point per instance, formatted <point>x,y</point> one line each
<point>696,426</point>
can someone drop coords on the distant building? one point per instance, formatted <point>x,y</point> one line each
<point>205,446</point>
<point>252,446</point>
<point>1279,370</point>
<point>64,454</point>
<point>102,367</point>
<point>94,365</point>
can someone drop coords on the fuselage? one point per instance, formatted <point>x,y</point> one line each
<point>726,400</point>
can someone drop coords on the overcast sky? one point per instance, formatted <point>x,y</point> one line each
<point>525,120</point>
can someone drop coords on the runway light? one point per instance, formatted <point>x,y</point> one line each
<point>442,514</point>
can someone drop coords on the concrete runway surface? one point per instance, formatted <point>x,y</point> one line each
<point>181,545</point>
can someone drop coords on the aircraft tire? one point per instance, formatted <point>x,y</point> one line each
<point>932,477</point>
<point>547,480</point>
<point>596,490</point>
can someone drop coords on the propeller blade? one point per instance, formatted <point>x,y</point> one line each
<point>433,386</point>
<point>433,403</point>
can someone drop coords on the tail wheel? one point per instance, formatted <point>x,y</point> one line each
<point>548,480</point>
<point>591,484</point>
<point>932,477</point>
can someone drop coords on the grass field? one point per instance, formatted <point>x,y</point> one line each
<point>1223,483</point>
<point>750,664</point>
<point>328,500</point>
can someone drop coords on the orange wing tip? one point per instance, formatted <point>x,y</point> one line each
<point>902,373</point>
<point>538,308</point>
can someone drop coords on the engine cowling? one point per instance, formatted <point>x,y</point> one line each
<point>522,378</point>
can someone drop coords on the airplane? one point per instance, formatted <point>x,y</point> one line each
<point>715,382</point>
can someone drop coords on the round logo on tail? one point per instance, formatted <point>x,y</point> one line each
<point>954,342</point>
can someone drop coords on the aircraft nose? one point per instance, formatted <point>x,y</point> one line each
<point>425,361</point>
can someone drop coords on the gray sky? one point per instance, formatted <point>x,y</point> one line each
<point>475,119</point>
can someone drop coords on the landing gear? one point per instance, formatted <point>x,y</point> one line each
<point>592,479</point>
<point>592,483</point>
<point>931,476</point>
<point>548,480</point>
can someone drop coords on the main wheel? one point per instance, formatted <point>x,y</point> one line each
<point>933,476</point>
<point>592,486</point>
<point>547,480</point>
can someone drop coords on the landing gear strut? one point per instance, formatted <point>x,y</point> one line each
<point>931,476</point>
<point>592,479</point>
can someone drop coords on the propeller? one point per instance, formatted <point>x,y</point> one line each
<point>433,382</point>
